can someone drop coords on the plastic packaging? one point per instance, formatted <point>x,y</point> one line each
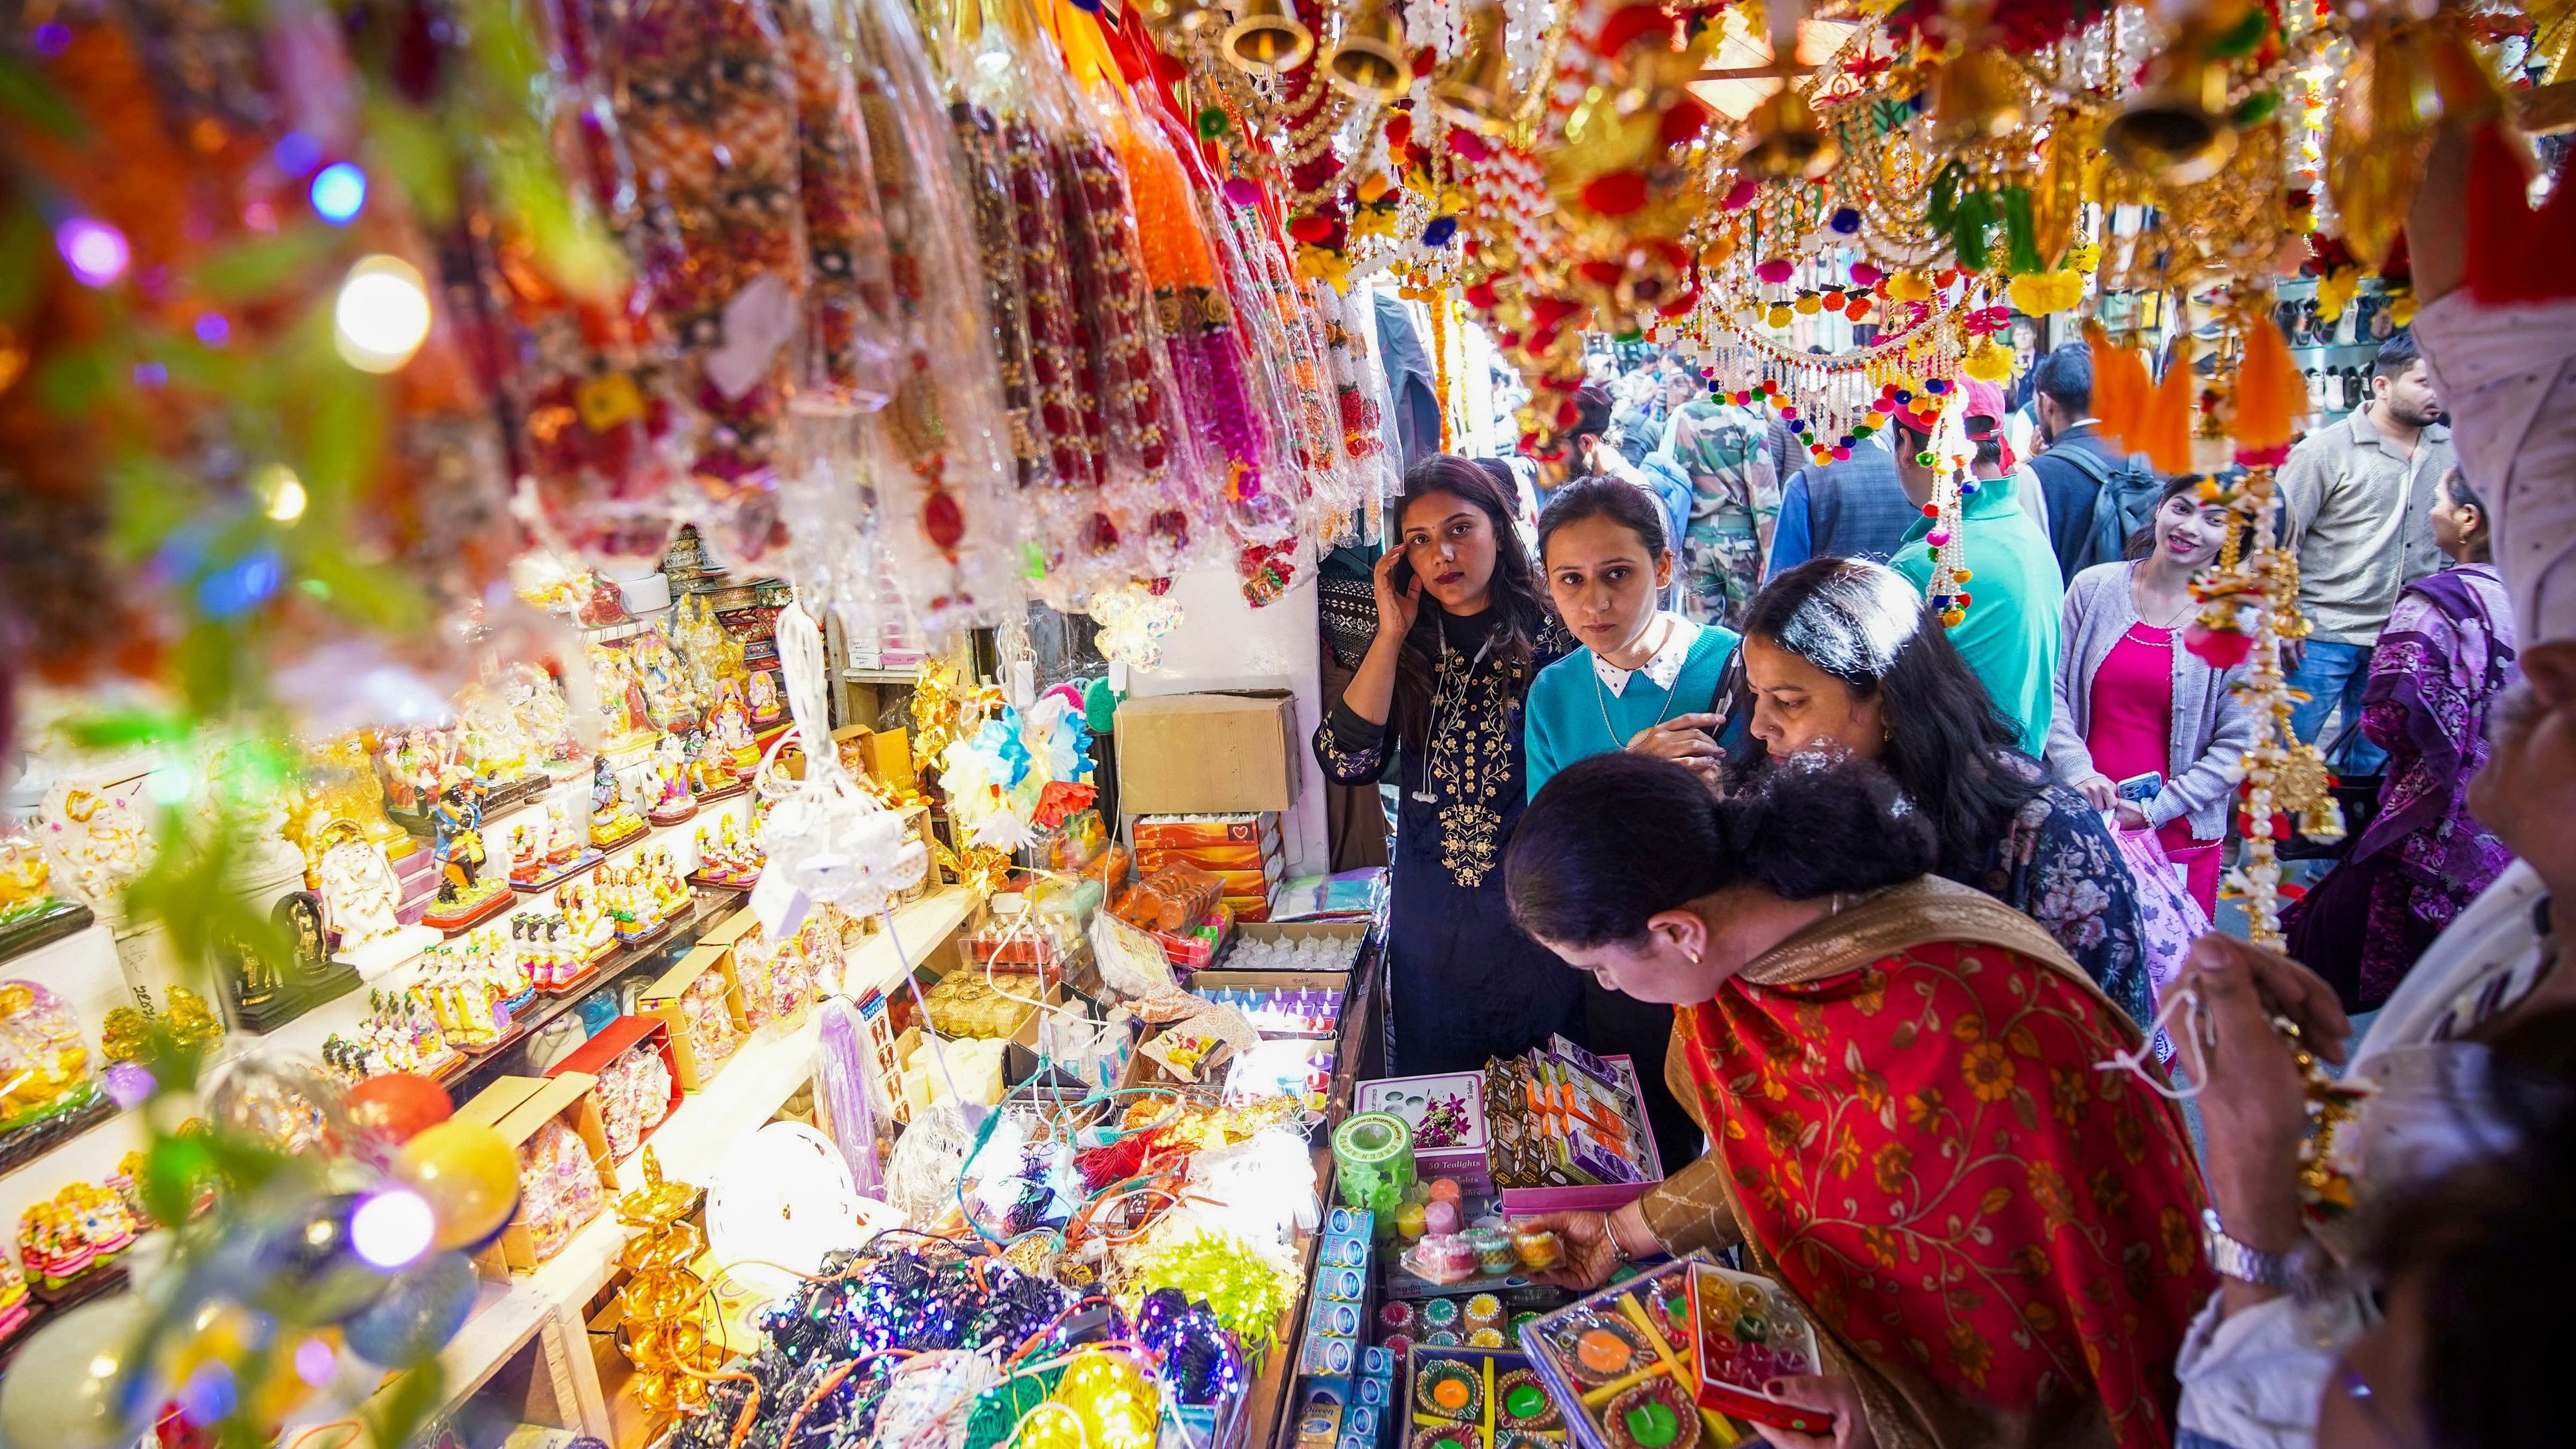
<point>707,103</point>
<point>947,524</point>
<point>852,340</point>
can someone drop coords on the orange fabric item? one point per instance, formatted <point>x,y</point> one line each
<point>2119,385</point>
<point>2164,426</point>
<point>2271,396</point>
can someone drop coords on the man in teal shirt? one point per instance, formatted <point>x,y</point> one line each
<point>2016,596</point>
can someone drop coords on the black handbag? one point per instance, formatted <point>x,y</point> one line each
<point>2357,794</point>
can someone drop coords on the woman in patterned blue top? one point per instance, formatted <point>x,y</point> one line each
<point>1461,631</point>
<point>1842,655</point>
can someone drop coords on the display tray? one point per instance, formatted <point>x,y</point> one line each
<point>643,939</point>
<point>722,792</point>
<point>1627,1353</point>
<point>614,841</point>
<point>49,923</point>
<point>34,1140</point>
<point>706,882</point>
<point>467,918</point>
<point>88,1283</point>
<point>511,794</point>
<point>589,859</point>
<point>588,978</point>
<point>285,1003</point>
<point>488,1050</point>
<point>666,818</point>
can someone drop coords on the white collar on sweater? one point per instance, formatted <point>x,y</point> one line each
<point>1666,665</point>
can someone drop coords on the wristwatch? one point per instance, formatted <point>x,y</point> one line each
<point>2245,1264</point>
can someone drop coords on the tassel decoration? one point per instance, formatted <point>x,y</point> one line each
<point>2164,426</point>
<point>2271,396</point>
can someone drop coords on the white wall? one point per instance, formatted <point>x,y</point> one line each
<point>1224,643</point>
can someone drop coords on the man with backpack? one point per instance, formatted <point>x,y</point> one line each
<point>2094,495</point>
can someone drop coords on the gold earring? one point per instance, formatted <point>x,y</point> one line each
<point>1694,958</point>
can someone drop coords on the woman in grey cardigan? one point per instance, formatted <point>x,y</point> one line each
<point>2132,701</point>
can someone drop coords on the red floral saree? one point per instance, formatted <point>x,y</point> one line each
<point>2000,1241</point>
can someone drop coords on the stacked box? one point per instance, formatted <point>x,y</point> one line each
<point>1337,1310</point>
<point>1243,852</point>
<point>1372,1408</point>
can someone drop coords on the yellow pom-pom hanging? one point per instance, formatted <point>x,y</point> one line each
<point>1987,362</point>
<point>1810,304</point>
<point>1779,314</point>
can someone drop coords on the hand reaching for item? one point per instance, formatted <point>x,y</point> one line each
<point>1828,1394</point>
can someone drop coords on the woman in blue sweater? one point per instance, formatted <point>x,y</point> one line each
<point>1646,680</point>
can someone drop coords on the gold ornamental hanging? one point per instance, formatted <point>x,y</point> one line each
<point>1368,62</point>
<point>1269,39</point>
<point>1475,90</point>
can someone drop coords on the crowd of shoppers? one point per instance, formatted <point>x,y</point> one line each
<point>1865,892</point>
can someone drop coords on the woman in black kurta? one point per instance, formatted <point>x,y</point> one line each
<point>1446,676</point>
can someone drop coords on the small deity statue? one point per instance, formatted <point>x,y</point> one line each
<point>492,742</point>
<point>711,653</point>
<point>44,1064</point>
<point>342,784</point>
<point>254,980</point>
<point>458,814</point>
<point>668,700</point>
<point>624,721</point>
<point>766,705</point>
<point>612,819</point>
<point>26,881</point>
<point>359,891</point>
<point>98,841</point>
<point>732,725</point>
<point>672,800</point>
<point>537,702</point>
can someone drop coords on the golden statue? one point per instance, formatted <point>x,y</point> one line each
<point>341,784</point>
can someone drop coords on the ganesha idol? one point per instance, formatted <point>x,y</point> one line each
<point>30,912</point>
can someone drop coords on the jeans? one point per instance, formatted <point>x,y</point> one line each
<point>2334,676</point>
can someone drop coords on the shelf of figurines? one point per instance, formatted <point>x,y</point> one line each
<point>759,1077</point>
<point>554,937</point>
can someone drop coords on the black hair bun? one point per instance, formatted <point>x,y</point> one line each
<point>1812,825</point>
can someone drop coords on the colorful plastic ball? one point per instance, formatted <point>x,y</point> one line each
<point>1846,221</point>
<point>1930,510</point>
<point>1937,386</point>
<point>1967,488</point>
<point>1842,454</point>
<point>74,1382</point>
<point>1927,458</point>
<point>420,1311</point>
<point>1962,575</point>
<point>399,1106</point>
<point>470,1176</point>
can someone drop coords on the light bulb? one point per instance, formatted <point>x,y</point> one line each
<point>280,493</point>
<point>392,1228</point>
<point>383,314</point>
<point>96,252</point>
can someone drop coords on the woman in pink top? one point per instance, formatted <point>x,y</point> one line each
<point>2132,701</point>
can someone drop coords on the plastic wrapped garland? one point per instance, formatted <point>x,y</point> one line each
<point>708,107</point>
<point>986,176</point>
<point>1199,329</point>
<point>848,1115</point>
<point>852,341</point>
<point>597,434</point>
<point>940,457</point>
<point>1156,488</point>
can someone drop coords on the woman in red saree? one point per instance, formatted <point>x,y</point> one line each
<point>1998,1243</point>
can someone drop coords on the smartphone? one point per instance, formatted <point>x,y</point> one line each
<point>2139,789</point>
<point>1401,576</point>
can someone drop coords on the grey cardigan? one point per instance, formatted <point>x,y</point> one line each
<point>2206,747</point>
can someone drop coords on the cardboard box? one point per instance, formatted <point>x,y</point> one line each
<point>1192,754</point>
<point>1253,829</point>
<point>662,1000</point>
<point>1462,1156</point>
<point>519,1108</point>
<point>614,1040</point>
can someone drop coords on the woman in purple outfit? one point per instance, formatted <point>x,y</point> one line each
<point>2447,652</point>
